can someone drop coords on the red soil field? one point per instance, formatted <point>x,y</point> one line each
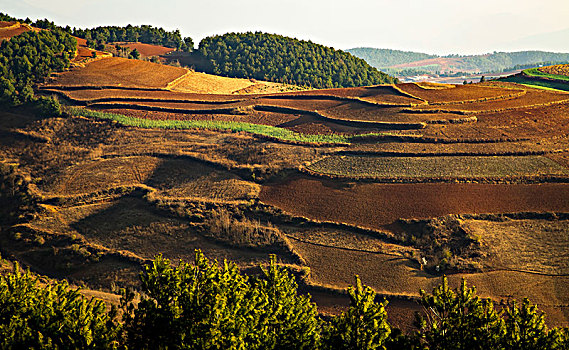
<point>530,98</point>
<point>377,94</point>
<point>11,29</point>
<point>460,93</point>
<point>94,94</point>
<point>84,52</point>
<point>531,123</point>
<point>376,205</point>
<point>364,112</point>
<point>115,71</point>
<point>147,50</point>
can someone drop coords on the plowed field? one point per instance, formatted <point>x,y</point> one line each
<point>378,94</point>
<point>115,71</point>
<point>376,205</point>
<point>437,167</point>
<point>147,50</point>
<point>11,29</point>
<point>460,93</point>
<point>529,99</point>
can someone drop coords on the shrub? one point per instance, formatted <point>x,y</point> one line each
<point>48,106</point>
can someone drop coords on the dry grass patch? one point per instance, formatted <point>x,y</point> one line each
<point>104,174</point>
<point>532,244</point>
<point>559,69</point>
<point>202,83</point>
<point>400,276</point>
<point>185,178</point>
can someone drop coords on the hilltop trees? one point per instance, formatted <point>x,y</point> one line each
<point>29,58</point>
<point>282,59</point>
<point>144,34</point>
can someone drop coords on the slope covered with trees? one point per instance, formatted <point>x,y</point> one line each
<point>383,58</point>
<point>283,59</point>
<point>145,34</point>
<point>29,58</point>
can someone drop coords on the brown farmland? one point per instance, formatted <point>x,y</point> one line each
<point>376,205</point>
<point>121,72</point>
<point>484,164</point>
<point>559,69</point>
<point>146,50</point>
<point>460,93</point>
<point>11,29</point>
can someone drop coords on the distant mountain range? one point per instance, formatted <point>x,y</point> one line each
<point>403,63</point>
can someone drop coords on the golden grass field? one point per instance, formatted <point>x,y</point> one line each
<point>481,170</point>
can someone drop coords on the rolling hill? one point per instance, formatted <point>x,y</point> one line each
<point>396,62</point>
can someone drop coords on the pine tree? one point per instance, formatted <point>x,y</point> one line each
<point>363,326</point>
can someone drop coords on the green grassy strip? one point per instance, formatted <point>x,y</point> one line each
<point>264,130</point>
<point>535,72</point>
<point>540,84</point>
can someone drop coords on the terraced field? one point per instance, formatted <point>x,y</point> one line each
<point>404,183</point>
<point>121,72</point>
<point>375,205</point>
<point>450,167</point>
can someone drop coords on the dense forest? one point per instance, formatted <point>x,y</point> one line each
<point>282,59</point>
<point>383,58</point>
<point>29,58</point>
<point>145,34</point>
<point>208,305</point>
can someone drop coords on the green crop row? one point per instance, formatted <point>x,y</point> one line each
<point>256,129</point>
<point>540,84</point>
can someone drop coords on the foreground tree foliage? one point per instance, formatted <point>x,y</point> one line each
<point>212,306</point>
<point>51,316</point>
<point>282,59</point>
<point>209,305</point>
<point>363,326</point>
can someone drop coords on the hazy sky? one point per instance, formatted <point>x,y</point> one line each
<point>432,26</point>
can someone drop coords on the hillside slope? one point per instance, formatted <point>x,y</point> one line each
<point>383,58</point>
